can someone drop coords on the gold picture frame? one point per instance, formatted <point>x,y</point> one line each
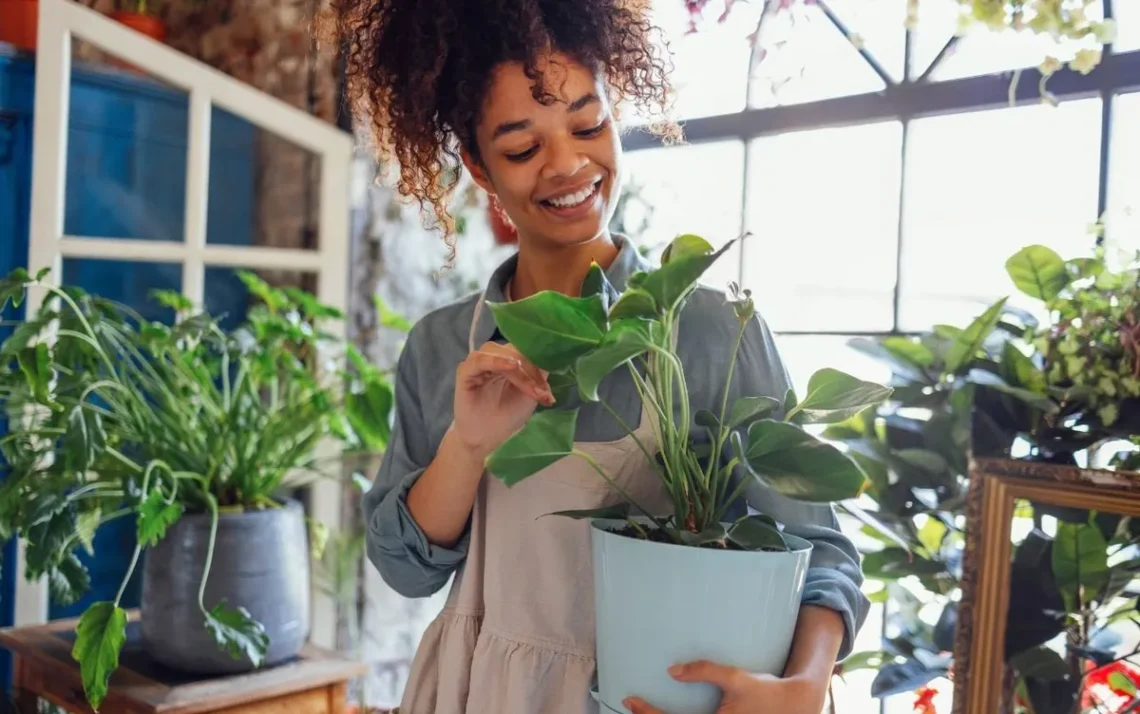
<point>995,486</point>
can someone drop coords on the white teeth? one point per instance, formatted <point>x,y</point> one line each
<point>573,199</point>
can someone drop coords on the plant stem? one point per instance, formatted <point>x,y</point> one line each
<point>612,484</point>
<point>213,503</point>
<point>644,450</point>
<point>130,572</point>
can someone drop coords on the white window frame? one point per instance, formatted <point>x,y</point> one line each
<point>59,22</point>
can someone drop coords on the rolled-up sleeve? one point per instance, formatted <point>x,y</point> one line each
<point>834,576</point>
<point>396,545</point>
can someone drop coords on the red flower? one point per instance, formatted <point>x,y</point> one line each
<point>924,700</point>
<point>1121,678</point>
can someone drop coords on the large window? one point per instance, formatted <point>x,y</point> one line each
<point>886,174</point>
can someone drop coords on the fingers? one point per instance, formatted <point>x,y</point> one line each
<point>480,365</point>
<point>538,375</point>
<point>639,706</point>
<point>705,671</point>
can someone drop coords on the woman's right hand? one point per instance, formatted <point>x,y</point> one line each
<point>496,391</point>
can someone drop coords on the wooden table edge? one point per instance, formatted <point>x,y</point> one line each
<point>22,648</point>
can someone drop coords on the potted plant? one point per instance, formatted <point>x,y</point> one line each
<point>138,17</point>
<point>675,559</point>
<point>19,20</point>
<point>194,432</point>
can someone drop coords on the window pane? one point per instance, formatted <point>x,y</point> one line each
<point>1122,224</point>
<point>823,210</point>
<point>982,51</point>
<point>936,24</point>
<point>128,282</point>
<point>807,59</point>
<point>1127,14</point>
<point>803,355</point>
<point>710,66</point>
<point>881,25</point>
<point>981,186</point>
<point>688,189</point>
<point>228,300</point>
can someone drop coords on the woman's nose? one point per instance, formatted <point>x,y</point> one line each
<point>563,159</point>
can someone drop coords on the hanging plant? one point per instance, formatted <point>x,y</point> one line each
<point>1064,21</point>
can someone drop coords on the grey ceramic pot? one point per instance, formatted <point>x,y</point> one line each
<point>261,562</point>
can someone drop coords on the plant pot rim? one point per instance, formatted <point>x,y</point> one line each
<point>797,545</point>
<point>287,504</point>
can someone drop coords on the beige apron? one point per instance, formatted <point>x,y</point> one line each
<point>517,633</point>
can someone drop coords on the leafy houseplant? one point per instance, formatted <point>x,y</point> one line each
<point>1056,392</point>
<point>579,341</point>
<point>182,427</point>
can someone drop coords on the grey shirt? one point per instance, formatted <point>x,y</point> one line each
<point>425,382</point>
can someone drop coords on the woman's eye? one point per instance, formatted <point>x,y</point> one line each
<point>522,155</point>
<point>594,131</point>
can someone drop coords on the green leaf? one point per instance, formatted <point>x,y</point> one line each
<point>99,638</point>
<point>84,441</point>
<point>155,516</point>
<point>625,340</point>
<point>35,363</point>
<point>634,302</point>
<point>675,279</point>
<point>895,563</point>
<point>1018,370</point>
<point>86,523</point>
<point>318,538</point>
<point>596,283</point>
<point>748,409</point>
<point>617,511</point>
<point>1080,561</point>
<point>68,581</point>
<point>1118,682</point>
<point>563,384</point>
<point>757,532</point>
<point>547,437</point>
<point>908,350</point>
<point>711,534</point>
<point>969,341</point>
<point>369,412</point>
<point>47,541</point>
<point>389,318</point>
<point>865,660</point>
<point>922,468</point>
<point>235,631</point>
<point>931,534</point>
<point>686,245</point>
<point>1040,662</point>
<point>1038,272</point>
<point>706,418</point>
<point>798,465</point>
<point>550,329</point>
<point>12,288</point>
<point>1034,399</point>
<point>834,396</point>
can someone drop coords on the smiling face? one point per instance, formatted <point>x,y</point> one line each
<point>553,167</point>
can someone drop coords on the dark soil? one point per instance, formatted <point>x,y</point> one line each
<point>659,536</point>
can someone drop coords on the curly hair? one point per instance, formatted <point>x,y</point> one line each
<point>418,70</point>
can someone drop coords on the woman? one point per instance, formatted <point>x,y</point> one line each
<point>522,93</point>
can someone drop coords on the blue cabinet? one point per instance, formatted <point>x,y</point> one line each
<point>126,173</point>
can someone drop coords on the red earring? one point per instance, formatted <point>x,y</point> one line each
<point>502,227</point>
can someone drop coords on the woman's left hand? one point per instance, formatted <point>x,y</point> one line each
<point>746,693</point>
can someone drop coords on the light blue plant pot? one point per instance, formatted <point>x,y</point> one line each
<point>659,604</point>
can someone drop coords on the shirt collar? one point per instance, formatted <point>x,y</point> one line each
<point>628,261</point>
